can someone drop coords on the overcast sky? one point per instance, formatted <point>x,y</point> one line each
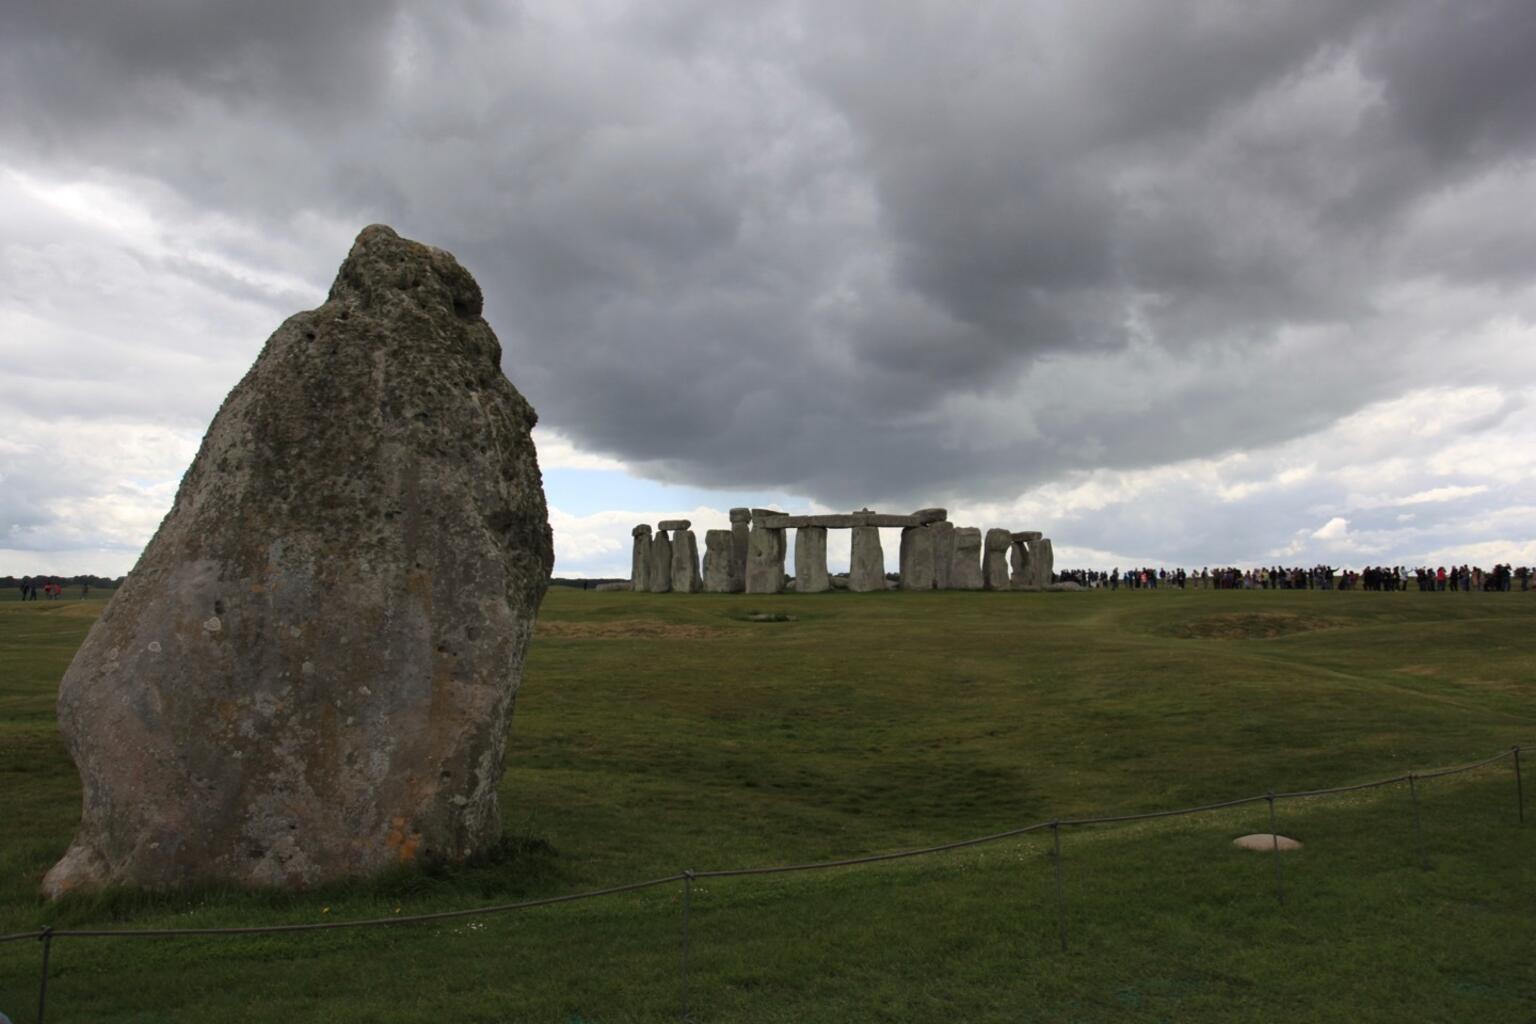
<point>1183,282</point>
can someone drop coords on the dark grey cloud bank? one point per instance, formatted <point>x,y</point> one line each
<point>863,251</point>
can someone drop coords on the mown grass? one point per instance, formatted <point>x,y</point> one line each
<point>656,733</point>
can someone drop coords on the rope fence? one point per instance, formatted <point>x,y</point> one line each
<point>48,935</point>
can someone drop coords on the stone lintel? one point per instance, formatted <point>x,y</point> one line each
<point>643,530</point>
<point>1027,535</point>
<point>674,524</point>
<point>930,515</point>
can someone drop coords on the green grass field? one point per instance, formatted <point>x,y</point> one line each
<point>657,733</point>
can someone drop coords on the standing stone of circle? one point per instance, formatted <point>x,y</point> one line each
<point>765,555</point>
<point>720,574</point>
<point>965,569</point>
<point>917,558</point>
<point>866,564</point>
<point>661,563</point>
<point>740,520</point>
<point>1042,562</point>
<point>943,554</point>
<point>685,562</point>
<point>640,560</point>
<point>1020,576</point>
<point>811,560</point>
<point>310,673</point>
<point>994,566</point>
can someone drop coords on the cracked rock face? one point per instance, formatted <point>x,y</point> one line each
<point>310,673</point>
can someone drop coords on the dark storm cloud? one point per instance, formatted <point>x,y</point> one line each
<point>877,252</point>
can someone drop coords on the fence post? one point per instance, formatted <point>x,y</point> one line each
<point>42,983</point>
<point>1519,787</point>
<point>1418,826</point>
<point>687,906</point>
<point>1061,892</point>
<point>1274,836</point>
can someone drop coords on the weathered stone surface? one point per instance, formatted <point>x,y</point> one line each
<point>661,564</point>
<point>883,519</point>
<point>615,585</point>
<point>924,516</point>
<point>741,519</point>
<point>760,514</point>
<point>309,674</point>
<point>720,573</point>
<point>866,564</point>
<point>811,560</point>
<point>674,524</point>
<point>994,565</point>
<point>943,553</point>
<point>1042,561</point>
<point>1265,842</point>
<point>640,558</point>
<point>1019,571</point>
<point>1025,535</point>
<point>685,562</point>
<point>840,581</point>
<point>917,558</point>
<point>765,559</point>
<point>965,569</point>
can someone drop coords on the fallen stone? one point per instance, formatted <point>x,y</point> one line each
<point>965,569</point>
<point>866,564</point>
<point>685,562</point>
<point>811,560</point>
<point>616,585</point>
<point>720,575</point>
<point>840,581</point>
<point>1265,842</point>
<point>994,564</point>
<point>365,524</point>
<point>1065,586</point>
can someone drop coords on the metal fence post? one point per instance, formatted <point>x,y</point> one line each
<point>1061,892</point>
<point>1519,787</point>
<point>1418,825</point>
<point>42,984</point>
<point>687,906</point>
<point>1274,836</point>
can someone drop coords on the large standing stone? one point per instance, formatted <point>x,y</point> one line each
<point>740,520</point>
<point>965,569</point>
<point>720,574</point>
<point>1042,561</point>
<point>685,562</point>
<point>866,563</point>
<point>310,673</point>
<point>640,559</point>
<point>1019,572</point>
<point>661,563</point>
<point>943,554</point>
<point>811,560</point>
<point>765,559</point>
<point>917,558</point>
<point>994,566</point>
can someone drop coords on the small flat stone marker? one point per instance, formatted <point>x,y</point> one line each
<point>1265,842</point>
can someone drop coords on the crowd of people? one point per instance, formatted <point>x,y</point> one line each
<point>1465,578</point>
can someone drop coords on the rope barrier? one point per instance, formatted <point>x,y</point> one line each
<point>48,934</point>
<point>1055,825</point>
